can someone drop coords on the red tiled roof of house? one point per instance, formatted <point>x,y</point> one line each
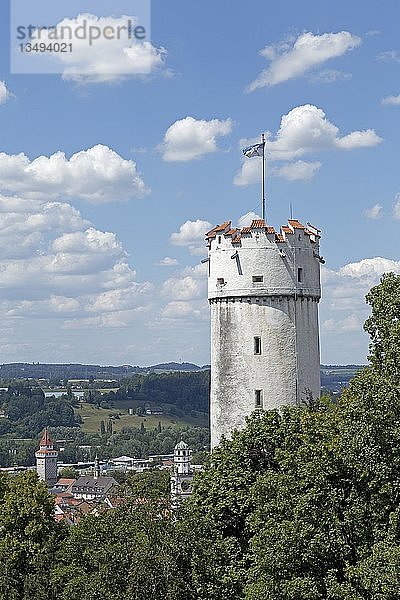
<point>286,229</point>
<point>223,226</point>
<point>279,237</point>
<point>231,232</point>
<point>296,224</point>
<point>246,230</point>
<point>258,223</point>
<point>236,240</point>
<point>65,481</point>
<point>271,230</point>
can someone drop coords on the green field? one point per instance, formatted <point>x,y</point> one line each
<point>92,416</point>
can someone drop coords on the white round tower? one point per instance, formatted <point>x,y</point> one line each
<point>264,289</point>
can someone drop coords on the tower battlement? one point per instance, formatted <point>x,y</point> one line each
<point>258,261</point>
<point>263,289</point>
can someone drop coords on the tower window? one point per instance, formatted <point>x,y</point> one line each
<point>258,398</point>
<point>258,278</point>
<point>300,275</point>
<point>257,345</point>
<point>219,239</point>
<point>220,281</point>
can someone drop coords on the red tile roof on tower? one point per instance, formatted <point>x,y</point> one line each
<point>246,230</point>
<point>225,225</point>
<point>286,229</point>
<point>46,439</point>
<point>258,223</point>
<point>296,224</point>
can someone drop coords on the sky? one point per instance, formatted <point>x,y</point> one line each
<point>114,165</point>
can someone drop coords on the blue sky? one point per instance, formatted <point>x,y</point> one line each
<point>100,254</point>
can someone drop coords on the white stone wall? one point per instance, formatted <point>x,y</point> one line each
<point>280,309</point>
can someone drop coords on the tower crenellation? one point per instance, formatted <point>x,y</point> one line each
<point>263,289</point>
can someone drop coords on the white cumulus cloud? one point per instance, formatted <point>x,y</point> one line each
<point>375,212</point>
<point>298,170</point>
<point>343,308</point>
<point>245,220</point>
<point>391,100</point>
<point>190,138</point>
<point>303,130</point>
<point>191,234</point>
<point>109,58</point>
<point>55,264</point>
<point>97,175</point>
<point>292,60</point>
<point>167,261</point>
<point>306,129</point>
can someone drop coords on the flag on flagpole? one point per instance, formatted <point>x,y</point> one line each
<point>255,150</point>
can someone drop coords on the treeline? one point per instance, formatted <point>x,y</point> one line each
<point>138,442</point>
<point>78,446</point>
<point>58,372</point>
<point>186,391</point>
<point>27,412</point>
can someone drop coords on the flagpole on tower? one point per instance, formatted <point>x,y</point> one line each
<point>263,178</point>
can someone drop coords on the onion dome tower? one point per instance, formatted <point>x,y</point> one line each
<point>263,290</point>
<point>182,473</point>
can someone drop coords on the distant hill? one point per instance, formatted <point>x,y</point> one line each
<point>333,377</point>
<point>82,371</point>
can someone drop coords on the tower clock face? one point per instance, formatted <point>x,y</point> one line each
<point>185,485</point>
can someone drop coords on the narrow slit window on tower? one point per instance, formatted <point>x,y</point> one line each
<point>258,278</point>
<point>300,275</point>
<point>257,344</point>
<point>258,398</point>
<point>219,239</point>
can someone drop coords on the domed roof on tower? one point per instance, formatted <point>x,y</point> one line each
<point>181,446</point>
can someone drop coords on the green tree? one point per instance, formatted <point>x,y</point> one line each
<point>303,504</point>
<point>384,326</point>
<point>135,551</point>
<point>69,473</point>
<point>29,537</point>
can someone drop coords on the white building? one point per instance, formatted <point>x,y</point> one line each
<point>46,460</point>
<point>263,289</point>
<point>182,473</point>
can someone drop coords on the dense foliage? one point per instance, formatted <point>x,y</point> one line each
<point>185,391</point>
<point>28,411</point>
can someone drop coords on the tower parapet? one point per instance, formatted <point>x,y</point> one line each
<point>264,289</point>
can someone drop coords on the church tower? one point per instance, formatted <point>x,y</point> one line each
<point>182,474</point>
<point>263,289</point>
<point>46,460</point>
